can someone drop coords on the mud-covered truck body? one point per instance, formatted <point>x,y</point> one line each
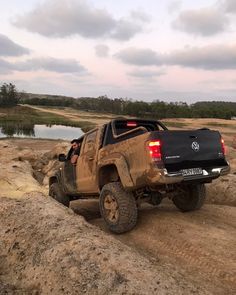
<point>126,162</point>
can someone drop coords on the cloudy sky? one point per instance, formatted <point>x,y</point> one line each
<point>168,49</point>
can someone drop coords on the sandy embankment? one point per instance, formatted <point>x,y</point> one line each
<point>26,164</point>
<point>49,249</point>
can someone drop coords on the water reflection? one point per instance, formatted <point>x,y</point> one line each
<point>39,131</point>
<point>18,130</point>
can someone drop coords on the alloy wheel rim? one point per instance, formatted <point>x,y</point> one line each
<point>111,208</point>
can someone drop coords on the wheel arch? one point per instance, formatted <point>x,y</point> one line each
<point>52,180</point>
<point>113,170</point>
<point>107,173</point>
<point>55,178</point>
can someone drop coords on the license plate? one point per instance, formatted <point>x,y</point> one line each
<point>191,171</point>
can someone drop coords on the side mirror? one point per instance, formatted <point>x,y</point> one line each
<point>62,157</point>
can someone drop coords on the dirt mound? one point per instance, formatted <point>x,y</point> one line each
<point>222,190</point>
<point>46,164</point>
<point>16,175</point>
<point>24,168</point>
<point>48,249</point>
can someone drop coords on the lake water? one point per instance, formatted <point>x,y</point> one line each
<point>40,131</point>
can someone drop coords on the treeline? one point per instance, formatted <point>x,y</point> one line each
<point>9,96</point>
<point>156,109</point>
<point>60,102</point>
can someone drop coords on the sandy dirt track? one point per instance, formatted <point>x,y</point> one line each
<point>202,243</point>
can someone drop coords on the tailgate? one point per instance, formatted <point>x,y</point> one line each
<point>190,149</point>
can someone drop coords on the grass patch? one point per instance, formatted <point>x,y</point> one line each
<point>174,124</point>
<point>219,124</point>
<point>82,113</point>
<point>50,107</point>
<point>96,117</point>
<point>23,115</point>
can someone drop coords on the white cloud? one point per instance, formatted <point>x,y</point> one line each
<point>10,48</point>
<point>50,64</point>
<point>205,21</point>
<point>63,18</point>
<point>211,57</point>
<point>5,67</point>
<point>230,6</point>
<point>140,16</point>
<point>174,6</point>
<point>102,50</point>
<point>125,29</point>
<point>146,73</point>
<point>140,57</point>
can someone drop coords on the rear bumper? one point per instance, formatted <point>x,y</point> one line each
<point>208,175</point>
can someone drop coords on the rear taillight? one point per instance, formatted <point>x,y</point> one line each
<point>223,146</point>
<point>155,149</point>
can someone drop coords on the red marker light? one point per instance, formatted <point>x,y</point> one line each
<point>131,124</point>
<point>155,149</point>
<point>223,146</point>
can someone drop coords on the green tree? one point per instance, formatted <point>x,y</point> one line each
<point>9,95</point>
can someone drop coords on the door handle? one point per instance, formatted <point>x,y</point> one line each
<point>91,158</point>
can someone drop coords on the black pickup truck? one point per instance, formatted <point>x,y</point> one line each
<point>126,162</point>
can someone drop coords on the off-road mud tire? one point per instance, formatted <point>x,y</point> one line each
<point>127,211</point>
<point>56,193</point>
<point>191,198</point>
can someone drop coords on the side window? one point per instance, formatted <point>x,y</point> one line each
<point>90,143</point>
<point>69,154</point>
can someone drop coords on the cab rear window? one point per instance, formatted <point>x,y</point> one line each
<point>124,126</point>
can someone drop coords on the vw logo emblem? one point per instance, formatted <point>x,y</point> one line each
<point>195,146</point>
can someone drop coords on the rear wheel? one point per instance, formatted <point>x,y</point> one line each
<point>118,208</point>
<point>56,193</point>
<point>190,198</point>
